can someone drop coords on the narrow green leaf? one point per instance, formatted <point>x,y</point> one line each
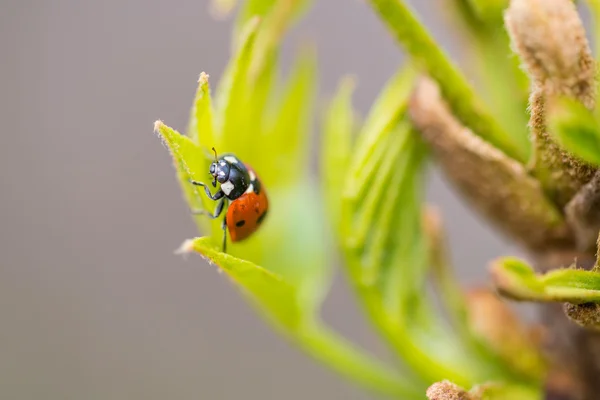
<point>336,351</point>
<point>384,254</point>
<point>278,301</point>
<point>269,290</point>
<point>575,128</point>
<point>464,102</point>
<point>190,163</point>
<point>502,83</point>
<point>504,391</point>
<point>253,8</point>
<point>274,25</point>
<point>287,137</point>
<point>477,311</point>
<point>200,127</point>
<point>384,115</point>
<point>338,126</point>
<point>489,11</point>
<point>382,239</point>
<point>232,90</point>
<point>391,166</point>
<point>515,279</point>
<point>222,8</point>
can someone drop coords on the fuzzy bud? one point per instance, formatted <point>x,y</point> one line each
<point>446,390</point>
<point>495,184</point>
<point>549,37</point>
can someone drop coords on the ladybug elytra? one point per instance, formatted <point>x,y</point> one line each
<point>241,193</point>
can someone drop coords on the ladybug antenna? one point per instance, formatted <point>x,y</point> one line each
<point>215,151</point>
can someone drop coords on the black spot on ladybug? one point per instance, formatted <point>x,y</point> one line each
<point>261,218</point>
<point>240,223</point>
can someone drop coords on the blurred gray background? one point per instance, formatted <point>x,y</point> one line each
<point>93,302</point>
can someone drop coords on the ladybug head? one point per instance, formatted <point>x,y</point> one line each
<point>219,170</point>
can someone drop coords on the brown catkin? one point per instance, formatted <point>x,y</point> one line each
<point>586,315</point>
<point>446,390</point>
<point>495,184</point>
<point>549,37</point>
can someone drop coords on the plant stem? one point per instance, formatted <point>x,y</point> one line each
<point>335,351</point>
<point>463,100</point>
<point>399,338</point>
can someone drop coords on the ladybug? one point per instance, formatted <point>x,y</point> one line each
<point>240,192</point>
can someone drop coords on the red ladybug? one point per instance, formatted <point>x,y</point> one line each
<point>241,192</point>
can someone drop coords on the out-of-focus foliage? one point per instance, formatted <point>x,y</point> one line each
<point>369,207</point>
<point>285,268</point>
<point>380,232</point>
<point>461,96</point>
<point>516,279</point>
<point>576,128</point>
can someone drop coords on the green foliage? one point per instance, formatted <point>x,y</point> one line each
<point>576,128</point>
<point>516,279</point>
<point>463,100</point>
<point>338,131</point>
<point>380,232</point>
<point>489,11</point>
<point>286,268</point>
<point>281,303</point>
<point>370,207</point>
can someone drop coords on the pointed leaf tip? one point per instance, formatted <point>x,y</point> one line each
<point>220,9</point>
<point>186,247</point>
<point>515,279</point>
<point>203,78</point>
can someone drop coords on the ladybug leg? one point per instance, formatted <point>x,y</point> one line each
<point>219,194</point>
<point>224,226</point>
<point>218,211</point>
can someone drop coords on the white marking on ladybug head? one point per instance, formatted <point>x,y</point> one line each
<point>231,159</point>
<point>252,175</point>
<point>250,188</point>
<point>227,187</point>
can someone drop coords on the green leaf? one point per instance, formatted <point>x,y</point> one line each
<point>384,115</point>
<point>384,246</point>
<point>286,138</point>
<point>515,279</point>
<point>285,267</point>
<point>222,8</point>
<point>480,319</point>
<point>336,147</point>
<point>269,290</point>
<point>575,128</point>
<point>512,392</point>
<point>190,163</point>
<point>464,102</point>
<point>232,93</point>
<point>253,8</point>
<point>200,127</point>
<point>489,11</point>
<point>385,256</point>
<point>278,301</point>
<point>292,242</point>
